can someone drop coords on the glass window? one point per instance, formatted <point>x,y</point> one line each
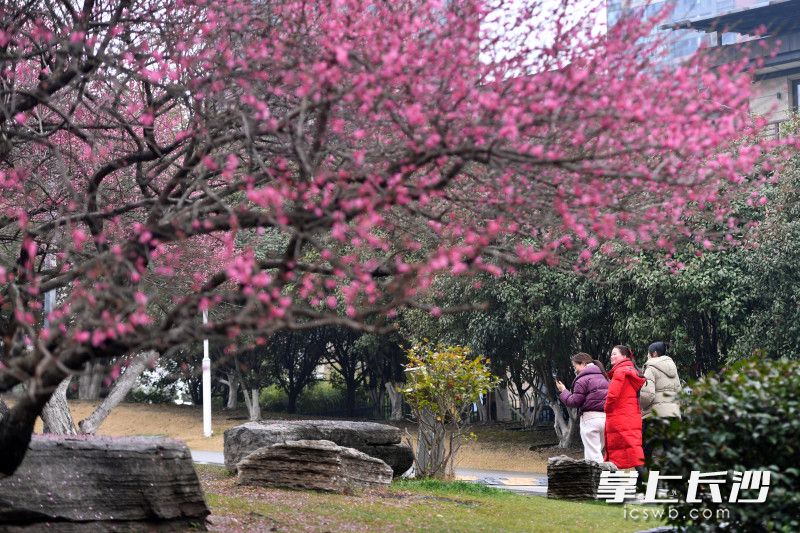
<point>685,47</point>
<point>704,7</point>
<point>653,9</point>
<point>725,5</point>
<point>729,38</point>
<point>796,94</point>
<point>683,9</point>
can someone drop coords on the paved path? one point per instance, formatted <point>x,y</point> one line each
<point>526,483</point>
<point>208,458</point>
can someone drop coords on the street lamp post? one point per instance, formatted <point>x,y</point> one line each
<point>206,383</point>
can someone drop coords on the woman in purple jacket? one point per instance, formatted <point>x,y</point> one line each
<point>588,396</point>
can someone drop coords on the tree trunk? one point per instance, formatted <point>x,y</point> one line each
<point>573,431</point>
<point>247,400</point>
<point>16,430</point>
<point>528,414</point>
<point>483,408</point>
<point>503,404</point>
<point>195,387</point>
<point>538,407</point>
<point>430,446</point>
<point>98,374</point>
<point>118,392</point>
<point>84,382</point>
<point>252,403</point>
<point>56,415</point>
<point>566,427</point>
<point>350,398</point>
<point>376,395</point>
<point>291,404</point>
<point>255,413</point>
<point>521,392</point>
<point>233,390</point>
<point>396,399</point>
<point>91,381</point>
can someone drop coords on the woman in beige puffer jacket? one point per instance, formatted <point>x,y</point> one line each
<point>658,396</point>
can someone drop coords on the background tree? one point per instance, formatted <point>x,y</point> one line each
<point>772,266</point>
<point>693,302</point>
<point>295,357</point>
<point>252,368</point>
<point>347,361</point>
<point>384,359</point>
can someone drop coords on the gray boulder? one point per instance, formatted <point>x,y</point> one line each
<point>103,484</point>
<point>381,441</point>
<point>574,479</point>
<point>313,464</point>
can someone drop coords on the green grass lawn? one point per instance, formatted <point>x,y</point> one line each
<point>408,505</point>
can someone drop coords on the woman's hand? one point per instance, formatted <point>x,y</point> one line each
<point>560,386</point>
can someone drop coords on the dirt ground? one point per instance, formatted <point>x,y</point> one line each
<point>495,447</point>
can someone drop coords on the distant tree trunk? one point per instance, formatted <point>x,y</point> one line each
<point>573,431</point>
<point>252,403</point>
<point>56,415</point>
<point>119,391</point>
<point>538,407</point>
<point>527,414</point>
<point>503,404</point>
<point>98,374</point>
<point>233,389</point>
<point>483,408</point>
<point>396,399</point>
<point>291,403</point>
<point>90,381</point>
<point>84,382</point>
<point>521,390</point>
<point>195,387</point>
<point>376,395</point>
<point>350,397</point>
<point>566,427</point>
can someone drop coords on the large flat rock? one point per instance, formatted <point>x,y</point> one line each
<point>103,484</point>
<point>574,479</point>
<point>377,440</point>
<point>313,464</point>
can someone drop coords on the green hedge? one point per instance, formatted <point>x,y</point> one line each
<point>745,418</point>
<point>320,398</point>
<point>273,399</point>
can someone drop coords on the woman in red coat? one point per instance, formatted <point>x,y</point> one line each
<point>623,415</point>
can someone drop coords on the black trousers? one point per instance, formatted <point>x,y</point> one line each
<point>647,445</point>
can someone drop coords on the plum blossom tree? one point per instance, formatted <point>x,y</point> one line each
<point>303,164</point>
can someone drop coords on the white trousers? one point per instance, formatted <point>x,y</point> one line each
<point>593,424</point>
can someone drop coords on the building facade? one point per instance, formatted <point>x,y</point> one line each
<point>768,32</point>
<point>683,42</point>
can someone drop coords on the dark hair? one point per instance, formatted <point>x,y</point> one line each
<point>581,357</point>
<point>658,347</point>
<point>585,358</point>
